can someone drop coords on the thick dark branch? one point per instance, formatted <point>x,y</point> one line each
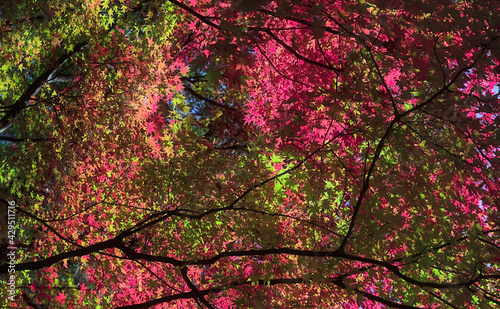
<point>305,253</point>
<point>338,281</point>
<point>152,220</point>
<point>133,255</point>
<point>115,242</point>
<point>62,256</point>
<point>166,299</point>
<point>210,261</point>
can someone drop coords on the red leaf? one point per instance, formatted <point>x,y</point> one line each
<point>60,298</point>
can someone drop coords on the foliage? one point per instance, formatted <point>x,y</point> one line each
<point>253,154</point>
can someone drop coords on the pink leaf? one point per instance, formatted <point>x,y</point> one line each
<point>60,298</point>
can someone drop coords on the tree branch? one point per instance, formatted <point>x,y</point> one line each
<point>209,101</point>
<point>193,288</point>
<point>35,87</point>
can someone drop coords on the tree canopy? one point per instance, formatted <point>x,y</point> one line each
<point>250,153</point>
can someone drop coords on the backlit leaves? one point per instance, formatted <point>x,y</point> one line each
<point>255,154</point>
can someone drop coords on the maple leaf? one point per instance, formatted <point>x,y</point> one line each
<point>150,128</point>
<point>91,220</point>
<point>321,140</point>
<point>184,70</point>
<point>60,298</point>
